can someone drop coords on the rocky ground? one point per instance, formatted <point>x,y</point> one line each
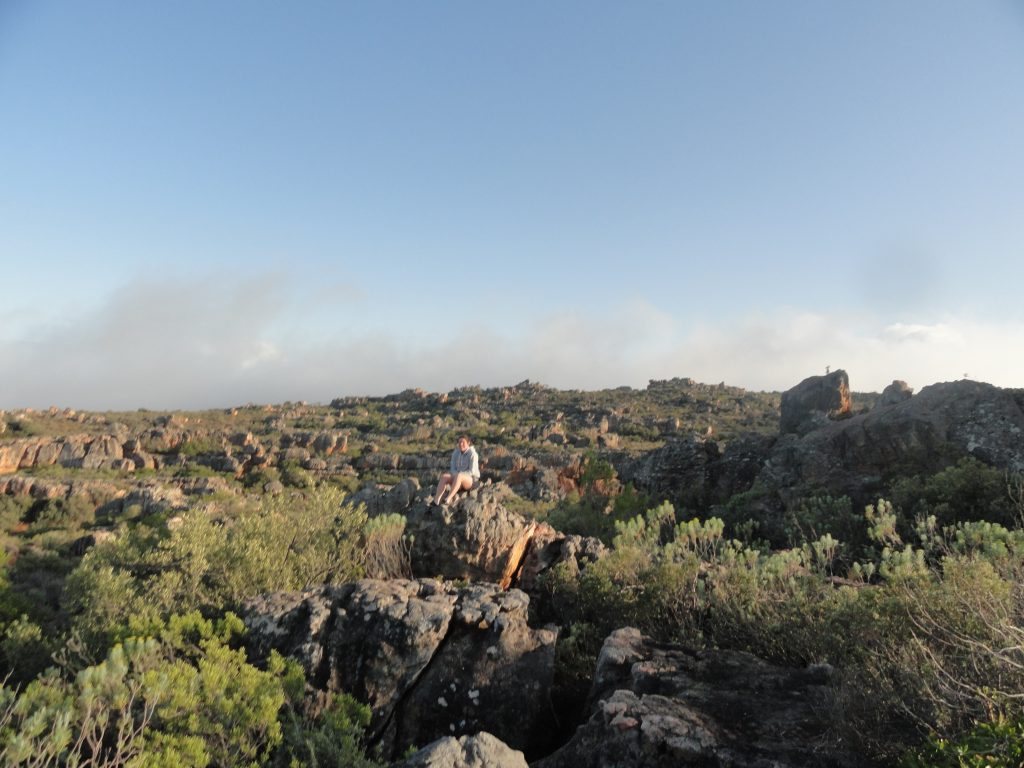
<point>456,656</point>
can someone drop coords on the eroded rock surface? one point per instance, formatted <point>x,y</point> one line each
<point>659,705</point>
<point>477,537</point>
<point>480,751</point>
<point>430,659</point>
<point>814,402</point>
<point>922,434</point>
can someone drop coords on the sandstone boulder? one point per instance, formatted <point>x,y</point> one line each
<point>923,434</point>
<point>394,500</point>
<point>430,659</point>
<point>659,705</point>
<point>14,454</point>
<point>814,402</point>
<point>896,392</point>
<point>103,452</point>
<point>480,751</point>
<point>476,537</point>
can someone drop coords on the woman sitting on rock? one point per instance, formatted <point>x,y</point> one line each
<point>463,473</point>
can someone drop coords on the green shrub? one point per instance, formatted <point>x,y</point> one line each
<point>295,476</point>
<point>211,564</point>
<point>969,490</point>
<point>387,551</point>
<point>996,744</point>
<point>25,650</point>
<point>181,698</point>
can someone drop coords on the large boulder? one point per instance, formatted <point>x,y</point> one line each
<point>660,706</point>
<point>103,452</point>
<point>385,501</point>
<point>477,537</point>
<point>480,751</point>
<point>19,454</point>
<point>429,658</point>
<point>919,435</point>
<point>814,402</point>
<point>896,392</point>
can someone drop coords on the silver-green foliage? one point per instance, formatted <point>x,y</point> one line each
<point>210,562</point>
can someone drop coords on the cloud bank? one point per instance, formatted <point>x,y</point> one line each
<point>178,344</point>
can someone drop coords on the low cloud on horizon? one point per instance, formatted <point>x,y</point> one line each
<point>172,346</point>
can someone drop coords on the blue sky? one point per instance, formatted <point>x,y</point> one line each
<point>204,204</point>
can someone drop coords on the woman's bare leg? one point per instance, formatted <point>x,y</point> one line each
<point>462,482</point>
<point>446,480</point>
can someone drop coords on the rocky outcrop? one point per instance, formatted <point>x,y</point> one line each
<point>814,402</point>
<point>480,751</point>
<point>394,500</point>
<point>738,466</point>
<point>658,705</point>
<point>430,659</point>
<point>680,470</point>
<point>920,435</point>
<point>148,499</point>
<point>896,392</point>
<point>547,548</point>
<point>477,537</point>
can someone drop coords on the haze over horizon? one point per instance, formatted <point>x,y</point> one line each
<point>208,204</point>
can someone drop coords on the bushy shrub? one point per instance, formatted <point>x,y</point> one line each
<point>996,744</point>
<point>387,550</point>
<point>969,490</point>
<point>179,698</point>
<point>25,650</point>
<point>295,476</point>
<point>211,564</point>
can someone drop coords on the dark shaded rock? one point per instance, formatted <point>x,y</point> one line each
<point>658,705</point>
<point>814,402</point>
<point>680,470</point>
<point>738,466</point>
<point>430,659</point>
<point>480,751</point>
<point>933,429</point>
<point>896,392</point>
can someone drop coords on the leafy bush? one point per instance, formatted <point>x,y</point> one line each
<point>997,744</point>
<point>183,697</point>
<point>969,490</point>
<point>206,563</point>
<point>295,476</point>
<point>387,551</point>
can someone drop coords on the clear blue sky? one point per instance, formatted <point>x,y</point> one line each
<point>206,203</point>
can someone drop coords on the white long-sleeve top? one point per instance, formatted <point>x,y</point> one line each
<point>467,461</point>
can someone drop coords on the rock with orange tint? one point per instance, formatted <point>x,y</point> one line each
<point>814,402</point>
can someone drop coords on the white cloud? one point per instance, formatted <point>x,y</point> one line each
<point>216,342</point>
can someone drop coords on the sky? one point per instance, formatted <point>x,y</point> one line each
<point>205,204</point>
